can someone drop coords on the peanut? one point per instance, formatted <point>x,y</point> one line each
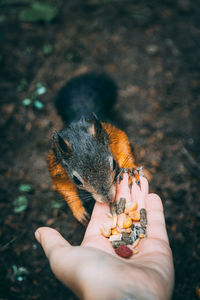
<point>127,223</point>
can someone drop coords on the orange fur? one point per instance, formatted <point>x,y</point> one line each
<point>119,146</point>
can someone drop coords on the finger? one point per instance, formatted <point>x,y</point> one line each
<point>140,192</point>
<point>155,218</point>
<point>123,190</point>
<point>93,236</point>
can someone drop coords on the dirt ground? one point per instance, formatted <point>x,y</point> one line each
<point>152,52</point>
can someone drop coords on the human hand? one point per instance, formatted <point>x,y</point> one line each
<point>93,270</point>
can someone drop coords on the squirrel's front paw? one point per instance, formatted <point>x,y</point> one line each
<point>82,216</point>
<point>132,172</point>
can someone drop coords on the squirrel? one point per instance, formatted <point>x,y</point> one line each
<point>87,156</point>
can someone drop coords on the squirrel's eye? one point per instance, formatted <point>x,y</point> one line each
<point>114,164</point>
<point>77,181</point>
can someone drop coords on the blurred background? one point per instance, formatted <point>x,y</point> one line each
<point>151,49</point>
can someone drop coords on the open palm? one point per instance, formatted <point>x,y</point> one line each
<point>93,270</point>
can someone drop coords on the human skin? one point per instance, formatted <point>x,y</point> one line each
<point>93,270</point>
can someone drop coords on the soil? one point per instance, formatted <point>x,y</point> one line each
<point>152,52</point>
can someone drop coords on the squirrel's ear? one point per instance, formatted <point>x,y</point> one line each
<point>63,145</point>
<point>97,129</point>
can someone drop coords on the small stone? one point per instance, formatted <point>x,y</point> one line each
<point>134,234</point>
<point>116,244</point>
<point>126,237</point>
<point>141,230</point>
<point>132,226</point>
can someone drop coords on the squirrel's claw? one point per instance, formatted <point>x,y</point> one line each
<point>132,172</point>
<point>82,216</point>
<point>137,178</point>
<point>121,174</point>
<point>85,219</point>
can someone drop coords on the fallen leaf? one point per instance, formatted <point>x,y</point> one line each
<point>20,204</point>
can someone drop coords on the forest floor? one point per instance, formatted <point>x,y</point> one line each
<point>152,52</point>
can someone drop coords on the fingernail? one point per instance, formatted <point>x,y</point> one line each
<point>37,235</point>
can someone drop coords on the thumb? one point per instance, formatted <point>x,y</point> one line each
<point>50,239</point>
<point>61,255</point>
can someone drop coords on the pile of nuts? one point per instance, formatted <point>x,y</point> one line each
<point>120,229</point>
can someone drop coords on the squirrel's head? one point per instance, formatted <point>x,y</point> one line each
<point>83,150</point>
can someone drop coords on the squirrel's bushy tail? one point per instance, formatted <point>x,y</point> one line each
<point>86,94</point>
